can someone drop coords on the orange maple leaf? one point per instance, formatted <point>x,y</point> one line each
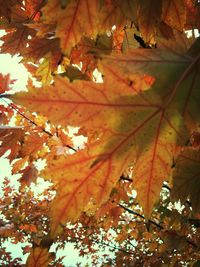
<point>174,13</point>
<point>134,125</point>
<point>11,138</point>
<point>148,19</point>
<point>39,257</point>
<point>71,25</point>
<point>5,83</point>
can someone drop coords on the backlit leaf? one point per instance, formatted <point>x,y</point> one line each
<point>192,14</point>
<point>79,184</point>
<point>39,257</point>
<point>117,13</point>
<point>5,83</point>
<point>29,175</point>
<point>11,138</point>
<point>149,18</point>
<point>39,48</point>
<point>15,40</point>
<point>32,8</point>
<point>174,13</point>
<point>133,97</point>
<point>70,27</point>
<point>143,129</point>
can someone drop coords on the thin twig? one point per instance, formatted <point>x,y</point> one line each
<point>166,187</point>
<point>154,223</point>
<point>114,247</point>
<point>123,178</point>
<point>141,216</point>
<point>32,122</point>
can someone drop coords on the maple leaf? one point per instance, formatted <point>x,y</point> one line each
<point>60,145</point>
<point>73,73</point>
<point>174,13</point>
<point>128,42</point>
<point>186,178</point>
<point>26,249</point>
<point>141,116</point>
<point>183,73</point>
<point>18,165</point>
<point>39,47</point>
<point>43,30</point>
<point>87,51</point>
<point>173,240</point>
<point>70,23</point>
<point>144,128</point>
<point>16,39</point>
<point>5,83</point>
<point>192,14</point>
<point>11,138</point>
<point>6,8</point>
<point>6,229</point>
<point>195,139</point>
<point>33,7</point>
<point>28,149</point>
<point>29,175</point>
<point>6,114</point>
<point>39,257</point>
<point>117,13</point>
<point>28,227</point>
<point>149,18</point>
<point>78,189</point>
<point>111,14</point>
<point>44,71</point>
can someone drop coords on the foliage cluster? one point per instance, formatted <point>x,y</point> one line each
<point>141,118</point>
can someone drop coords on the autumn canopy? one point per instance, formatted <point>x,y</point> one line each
<point>127,74</point>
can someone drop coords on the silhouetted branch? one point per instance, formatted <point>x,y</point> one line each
<point>31,121</point>
<point>154,223</point>
<point>141,216</point>
<point>123,178</point>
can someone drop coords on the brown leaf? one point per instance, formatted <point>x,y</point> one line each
<point>11,138</point>
<point>186,178</point>
<point>29,175</point>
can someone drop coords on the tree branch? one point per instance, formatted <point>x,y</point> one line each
<point>123,178</point>
<point>154,223</point>
<point>31,121</point>
<point>141,216</point>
